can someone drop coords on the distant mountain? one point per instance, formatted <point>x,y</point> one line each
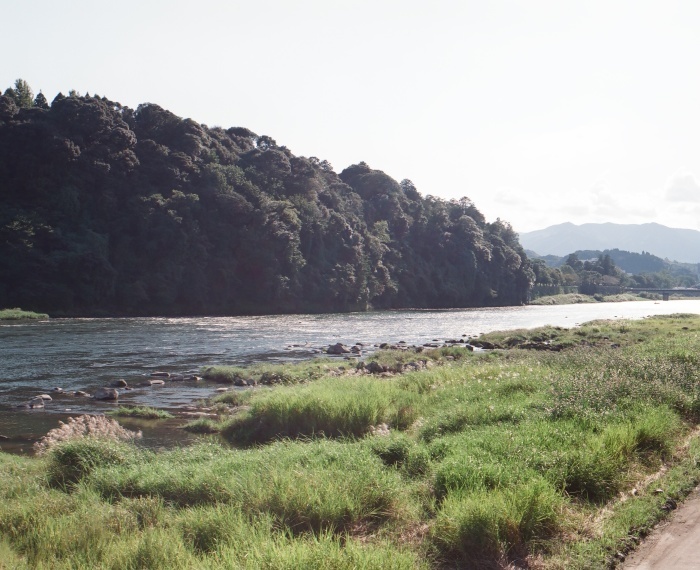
<point>669,243</point>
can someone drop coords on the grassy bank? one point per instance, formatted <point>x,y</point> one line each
<point>578,298</point>
<point>19,314</point>
<point>464,459</point>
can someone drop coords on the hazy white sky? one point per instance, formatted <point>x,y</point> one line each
<point>540,111</point>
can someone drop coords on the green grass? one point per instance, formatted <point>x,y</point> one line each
<point>477,460</point>
<point>577,298</point>
<point>143,412</point>
<point>18,314</point>
<point>334,407</point>
<point>268,374</point>
<point>203,426</point>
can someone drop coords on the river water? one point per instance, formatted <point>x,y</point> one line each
<point>83,354</point>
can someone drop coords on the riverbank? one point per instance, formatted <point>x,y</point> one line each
<point>553,448</point>
<point>577,298</point>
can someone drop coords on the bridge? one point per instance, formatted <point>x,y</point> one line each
<point>665,293</point>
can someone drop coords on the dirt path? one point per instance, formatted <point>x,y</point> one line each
<point>674,544</point>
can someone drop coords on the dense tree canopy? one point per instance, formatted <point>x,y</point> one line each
<point>106,209</point>
<point>611,267</point>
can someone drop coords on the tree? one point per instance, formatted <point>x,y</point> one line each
<point>41,101</point>
<point>22,94</point>
<point>574,262</point>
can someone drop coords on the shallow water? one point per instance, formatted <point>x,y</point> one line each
<point>84,354</point>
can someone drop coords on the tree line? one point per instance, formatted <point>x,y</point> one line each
<point>593,271</point>
<point>110,210</point>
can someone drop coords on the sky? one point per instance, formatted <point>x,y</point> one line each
<point>540,111</point>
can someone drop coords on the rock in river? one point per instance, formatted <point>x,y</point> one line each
<point>338,348</point>
<point>106,394</point>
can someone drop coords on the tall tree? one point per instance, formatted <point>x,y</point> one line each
<point>22,94</point>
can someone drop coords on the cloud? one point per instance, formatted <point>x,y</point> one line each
<point>682,186</point>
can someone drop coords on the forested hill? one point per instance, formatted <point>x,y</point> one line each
<point>109,210</point>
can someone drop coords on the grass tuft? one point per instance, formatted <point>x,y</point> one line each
<point>18,314</point>
<point>143,412</point>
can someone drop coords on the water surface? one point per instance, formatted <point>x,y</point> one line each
<point>83,354</point>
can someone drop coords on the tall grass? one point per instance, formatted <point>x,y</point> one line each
<point>337,407</point>
<point>516,458</point>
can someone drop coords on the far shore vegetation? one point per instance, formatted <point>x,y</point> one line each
<point>19,314</point>
<point>555,449</point>
<point>577,298</point>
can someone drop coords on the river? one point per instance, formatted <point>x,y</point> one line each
<point>83,354</point>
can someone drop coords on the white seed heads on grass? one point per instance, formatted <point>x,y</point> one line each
<point>98,427</point>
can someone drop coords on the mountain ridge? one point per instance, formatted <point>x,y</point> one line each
<point>676,244</point>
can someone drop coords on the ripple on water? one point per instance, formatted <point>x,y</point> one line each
<point>83,354</point>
